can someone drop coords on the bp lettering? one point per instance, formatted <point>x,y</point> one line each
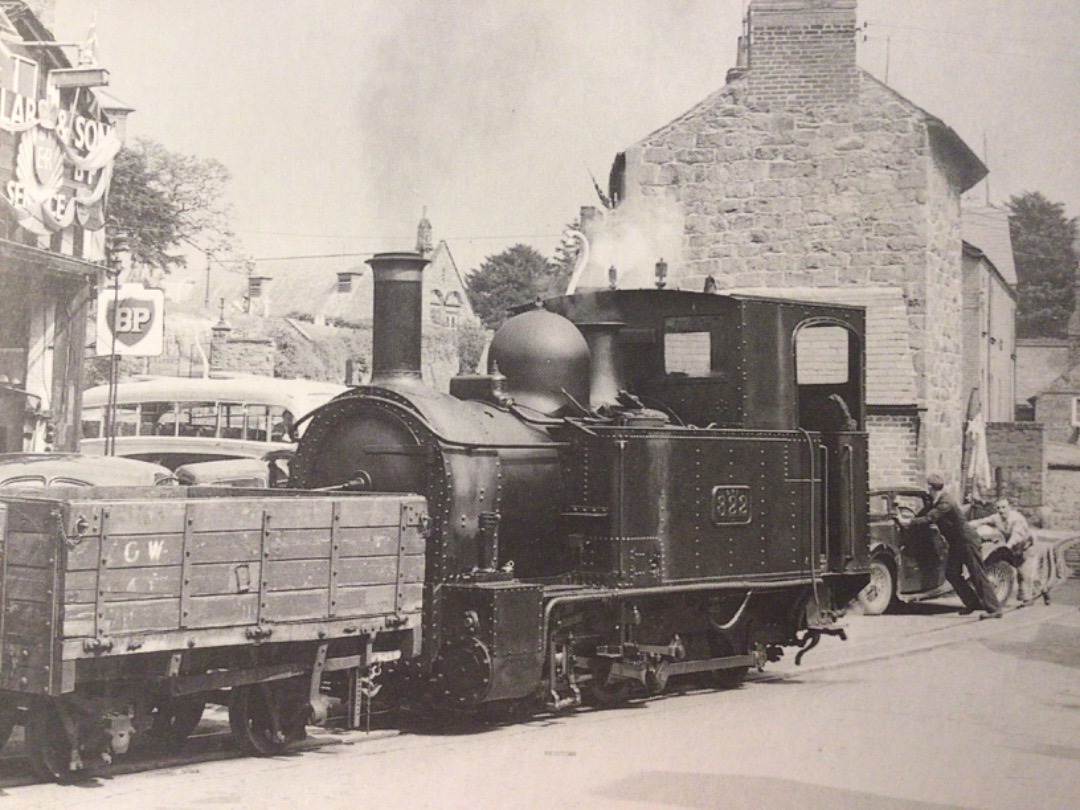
<point>132,319</point>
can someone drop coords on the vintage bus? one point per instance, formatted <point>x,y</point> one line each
<point>184,420</point>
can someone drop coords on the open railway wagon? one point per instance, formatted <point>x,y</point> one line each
<point>125,610</point>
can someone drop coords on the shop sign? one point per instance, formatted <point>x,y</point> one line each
<point>63,160</point>
<point>131,321</point>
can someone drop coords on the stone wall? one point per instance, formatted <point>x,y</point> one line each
<point>1061,509</point>
<point>1017,452</point>
<point>1055,411</point>
<point>250,355</point>
<point>942,340</point>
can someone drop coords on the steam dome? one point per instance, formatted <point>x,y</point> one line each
<point>544,357</point>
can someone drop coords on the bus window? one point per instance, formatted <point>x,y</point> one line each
<point>157,419</point>
<point>256,423</point>
<point>281,420</point>
<point>232,420</point>
<point>198,419</point>
<point>127,420</point>
<point>91,423</point>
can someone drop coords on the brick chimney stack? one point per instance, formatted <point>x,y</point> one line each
<point>802,53</point>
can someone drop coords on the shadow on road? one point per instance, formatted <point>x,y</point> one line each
<point>739,792</point>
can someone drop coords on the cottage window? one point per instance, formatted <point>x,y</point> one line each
<point>1076,412</point>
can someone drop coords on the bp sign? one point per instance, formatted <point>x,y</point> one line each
<point>131,321</point>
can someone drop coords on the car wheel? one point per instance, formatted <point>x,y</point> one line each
<point>878,594</point>
<point>1002,576</point>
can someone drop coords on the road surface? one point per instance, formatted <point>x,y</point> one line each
<point>922,710</point>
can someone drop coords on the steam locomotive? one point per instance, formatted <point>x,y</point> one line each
<point>648,483</point>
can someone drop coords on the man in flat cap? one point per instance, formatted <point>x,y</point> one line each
<point>964,550</point>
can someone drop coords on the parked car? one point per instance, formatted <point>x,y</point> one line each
<point>907,563</point>
<point>77,470</point>
<point>234,472</point>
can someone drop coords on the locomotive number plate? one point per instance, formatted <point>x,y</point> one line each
<point>731,506</point>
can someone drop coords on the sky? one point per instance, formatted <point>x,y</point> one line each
<point>342,121</point>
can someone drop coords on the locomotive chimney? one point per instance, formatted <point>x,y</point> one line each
<point>398,312</point>
<point>605,381</point>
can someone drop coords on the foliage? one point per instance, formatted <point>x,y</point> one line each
<point>1043,240</point>
<point>96,369</point>
<point>516,276</point>
<point>163,201</point>
<point>471,341</point>
<point>296,357</point>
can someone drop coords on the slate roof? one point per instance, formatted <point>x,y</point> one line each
<point>987,228</point>
<point>890,367</point>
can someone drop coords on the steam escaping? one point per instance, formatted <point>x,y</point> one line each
<point>632,238</point>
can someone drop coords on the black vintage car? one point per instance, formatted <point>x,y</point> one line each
<point>907,564</point>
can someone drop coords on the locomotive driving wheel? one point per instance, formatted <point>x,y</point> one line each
<point>463,674</point>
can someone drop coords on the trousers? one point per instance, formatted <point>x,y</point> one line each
<point>976,593</point>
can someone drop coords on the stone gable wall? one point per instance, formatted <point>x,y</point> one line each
<point>839,195</point>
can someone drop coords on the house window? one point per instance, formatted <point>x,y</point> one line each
<point>1076,412</point>
<point>344,282</point>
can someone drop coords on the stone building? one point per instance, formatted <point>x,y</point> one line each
<point>804,173</point>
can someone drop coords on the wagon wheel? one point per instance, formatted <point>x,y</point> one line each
<point>1002,576</point>
<point>9,716</point>
<point>175,718</point>
<point>47,744</point>
<point>731,678</point>
<point>879,593</point>
<point>604,694</point>
<point>251,721</point>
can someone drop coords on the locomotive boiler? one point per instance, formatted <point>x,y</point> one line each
<point>648,483</point>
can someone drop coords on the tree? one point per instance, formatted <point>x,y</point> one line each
<point>161,202</point>
<point>1043,240</point>
<point>516,276</point>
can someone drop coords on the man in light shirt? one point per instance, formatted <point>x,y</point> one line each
<point>1008,526</point>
